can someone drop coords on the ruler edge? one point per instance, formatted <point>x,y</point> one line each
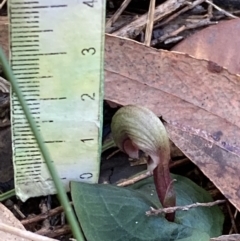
<point>101,91</point>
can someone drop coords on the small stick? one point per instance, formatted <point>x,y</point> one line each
<point>23,233</point>
<point>234,226</point>
<point>200,23</point>
<point>178,163</point>
<point>43,216</point>
<point>16,208</point>
<point>183,10</point>
<point>112,154</point>
<point>210,10</point>
<point>45,207</point>
<point>2,3</point>
<point>4,85</point>
<point>134,28</point>
<point>234,216</point>
<point>220,9</point>
<point>182,208</point>
<point>150,21</point>
<point>55,231</point>
<point>134,179</point>
<point>233,237</point>
<point>116,15</point>
<point>146,174</point>
<point>173,39</point>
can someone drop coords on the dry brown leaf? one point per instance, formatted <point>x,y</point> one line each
<point>233,237</point>
<point>11,228</point>
<point>198,99</point>
<point>4,35</point>
<point>7,217</point>
<point>219,43</point>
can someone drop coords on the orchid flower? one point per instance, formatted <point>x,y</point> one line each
<point>136,128</point>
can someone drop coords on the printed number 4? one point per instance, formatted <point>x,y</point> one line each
<point>89,3</point>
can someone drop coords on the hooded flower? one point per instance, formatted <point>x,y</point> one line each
<point>136,128</point>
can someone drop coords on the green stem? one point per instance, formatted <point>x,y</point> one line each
<point>7,195</point>
<point>51,167</point>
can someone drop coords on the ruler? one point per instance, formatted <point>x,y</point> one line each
<point>56,54</point>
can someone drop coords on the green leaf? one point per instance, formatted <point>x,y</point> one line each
<point>110,213</point>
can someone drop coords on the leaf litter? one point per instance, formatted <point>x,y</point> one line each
<point>217,134</point>
<point>198,99</point>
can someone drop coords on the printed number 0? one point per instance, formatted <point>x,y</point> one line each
<point>87,175</point>
<point>90,50</point>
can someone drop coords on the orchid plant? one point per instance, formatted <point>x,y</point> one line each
<point>136,128</point>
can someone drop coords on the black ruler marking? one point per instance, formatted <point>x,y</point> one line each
<point>25,50</point>
<point>22,69</point>
<point>29,17</point>
<point>36,77</point>
<point>27,27</point>
<point>39,54</point>
<point>22,12</point>
<point>26,2</point>
<point>34,31</point>
<point>41,7</point>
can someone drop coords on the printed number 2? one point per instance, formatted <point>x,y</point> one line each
<point>89,3</point>
<point>88,96</point>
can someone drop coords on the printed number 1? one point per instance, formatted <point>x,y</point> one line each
<point>89,3</point>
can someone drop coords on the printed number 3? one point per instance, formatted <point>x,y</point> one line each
<point>89,51</point>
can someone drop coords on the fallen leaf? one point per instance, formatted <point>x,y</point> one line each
<point>198,99</point>
<point>232,237</point>
<point>107,212</point>
<point>213,43</point>
<point>7,217</point>
<point>4,43</point>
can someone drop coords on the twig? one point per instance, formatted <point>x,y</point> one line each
<point>233,237</point>
<point>23,233</point>
<point>134,179</point>
<point>178,163</point>
<point>45,207</point>
<point>235,216</point>
<point>16,208</point>
<point>150,21</point>
<point>183,10</point>
<point>4,85</point>
<point>134,28</point>
<point>234,226</point>
<point>2,3</point>
<point>146,174</point>
<point>182,208</point>
<point>220,9</point>
<point>210,10</point>
<point>55,231</point>
<point>116,15</point>
<point>173,39</point>
<point>112,154</point>
<point>43,216</point>
<point>191,25</point>
<point>237,12</point>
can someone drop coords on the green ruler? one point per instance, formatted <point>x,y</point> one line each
<point>57,58</point>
